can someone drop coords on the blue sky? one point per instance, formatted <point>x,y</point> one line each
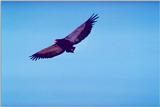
<point>116,65</point>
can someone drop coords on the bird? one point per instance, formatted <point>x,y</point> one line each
<point>67,44</point>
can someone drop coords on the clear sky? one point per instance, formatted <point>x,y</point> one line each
<point>116,65</point>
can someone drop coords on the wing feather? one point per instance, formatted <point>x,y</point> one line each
<point>48,52</point>
<point>82,31</point>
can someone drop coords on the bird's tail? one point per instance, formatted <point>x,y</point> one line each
<point>70,50</point>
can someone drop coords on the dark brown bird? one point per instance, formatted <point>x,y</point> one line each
<point>66,44</point>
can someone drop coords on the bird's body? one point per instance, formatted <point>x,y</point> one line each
<point>67,43</point>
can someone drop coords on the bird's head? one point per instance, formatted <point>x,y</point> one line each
<point>57,40</point>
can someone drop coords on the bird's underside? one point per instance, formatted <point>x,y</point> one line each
<point>66,44</point>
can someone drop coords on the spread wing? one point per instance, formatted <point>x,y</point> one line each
<point>48,52</point>
<point>82,31</point>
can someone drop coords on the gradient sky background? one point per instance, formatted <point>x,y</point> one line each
<point>116,65</point>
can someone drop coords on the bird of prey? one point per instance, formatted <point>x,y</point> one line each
<point>67,43</point>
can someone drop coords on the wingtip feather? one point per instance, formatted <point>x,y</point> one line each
<point>34,57</point>
<point>93,18</point>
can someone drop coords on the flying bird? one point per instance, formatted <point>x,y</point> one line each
<point>67,43</point>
